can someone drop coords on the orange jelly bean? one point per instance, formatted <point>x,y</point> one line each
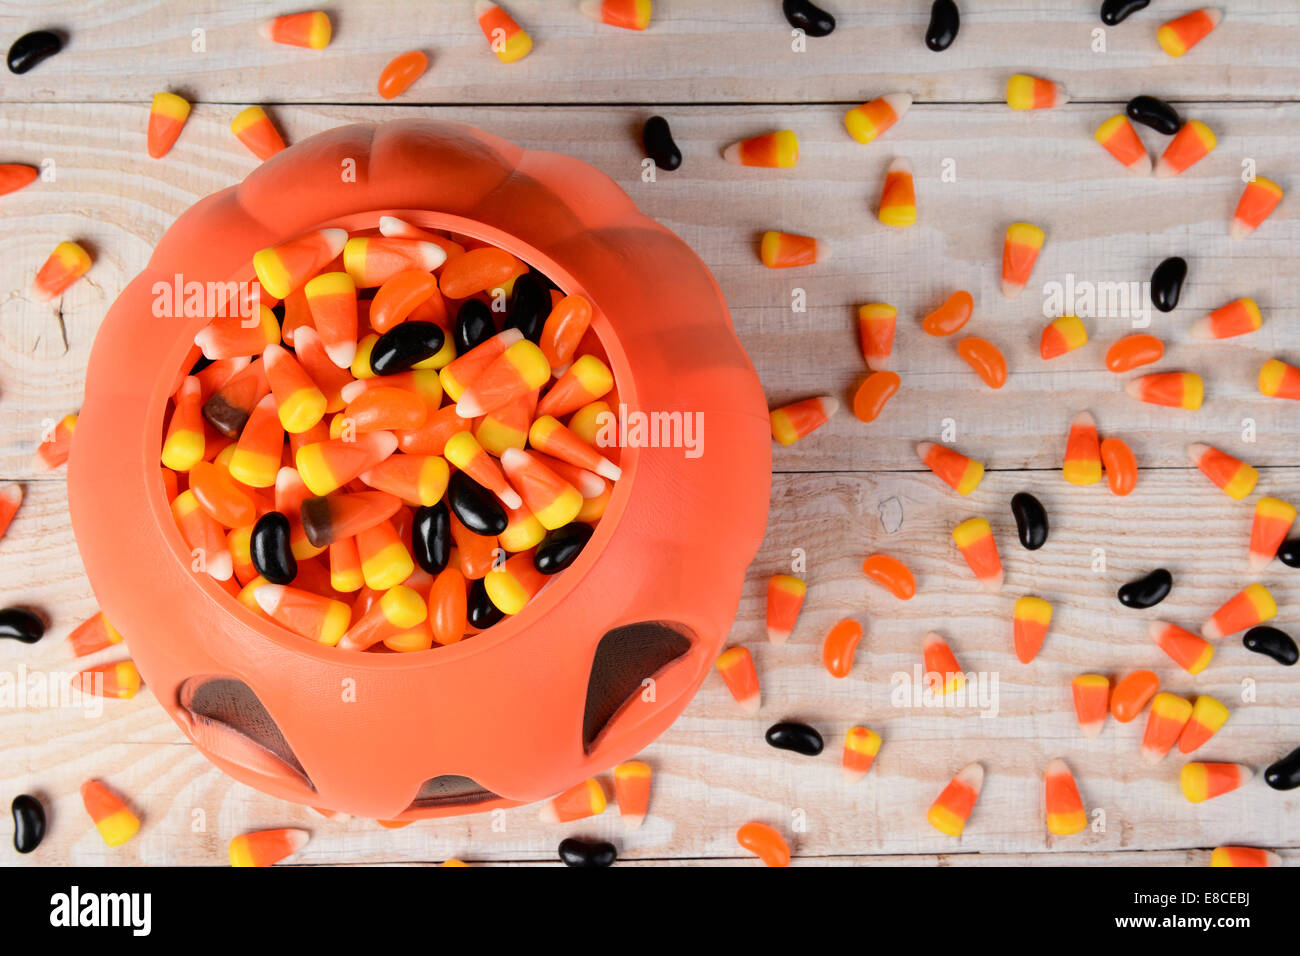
<point>1121,467</point>
<point>985,358</point>
<point>872,395</point>
<point>891,574</point>
<point>765,843</point>
<point>1133,351</point>
<point>401,71</point>
<point>1131,695</point>
<point>839,647</point>
<point>950,316</point>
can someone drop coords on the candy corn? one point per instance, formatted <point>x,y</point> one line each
<point>329,465</point>
<point>458,374</point>
<point>876,322</point>
<point>736,666</point>
<point>1171,389</point>
<point>785,594</point>
<point>1091,694</point>
<point>299,403</point>
<point>1121,141</point>
<point>898,196</point>
<point>1257,202</point>
<point>92,635</point>
<point>1243,856</point>
<point>1208,717</point>
<point>385,560</point>
<point>234,336</point>
<point>167,116</point>
<point>765,843</point>
<point>1062,335</point>
<point>66,264</point>
<point>839,646</point>
<point>550,437</point>
<point>1272,522</point>
<point>949,813</point>
<point>1065,814</point>
<point>795,421</point>
<point>254,129</point>
<point>960,473</point>
<point>11,497</point>
<point>586,799</point>
<point>510,586</point>
<point>332,300</point>
<point>1279,380</point>
<point>1189,651</point>
<point>55,446</point>
<point>868,121</point>
<point>1178,36</point>
<point>1236,478</point>
<point>115,823</point>
<point>784,250</point>
<point>14,176</point>
<point>183,446</point>
<point>974,538</point>
<point>1034,93</point>
<point>518,370</point>
<point>628,14</point>
<point>551,499</point>
<point>1019,253</point>
<point>779,150</point>
<point>943,674</point>
<point>891,574</point>
<point>400,608</point>
<point>632,792</point>
<point>1031,618</point>
<point>464,451</point>
<point>309,615</point>
<point>203,536</point>
<point>1169,715</point>
<point>1190,145</point>
<point>1131,695</point>
<point>310,30</point>
<point>1205,781</point>
<point>1251,606</point>
<point>1238,317</point>
<point>1083,452</point>
<point>860,749</point>
<point>120,681</point>
<point>284,268</point>
<point>586,380</point>
<point>266,847</point>
<point>506,38</point>
<point>372,261</point>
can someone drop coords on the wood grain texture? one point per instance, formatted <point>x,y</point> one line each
<point>731,51</point>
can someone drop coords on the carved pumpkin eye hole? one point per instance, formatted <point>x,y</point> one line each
<point>624,658</point>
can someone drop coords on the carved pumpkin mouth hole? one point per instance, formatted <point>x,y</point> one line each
<point>624,659</point>
<point>450,790</point>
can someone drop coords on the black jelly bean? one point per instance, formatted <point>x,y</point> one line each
<point>398,349</point>
<point>20,624</point>
<point>811,19</point>
<point>530,304</point>
<point>270,550</point>
<point>1167,283</point>
<point>1031,520</point>
<point>431,537</point>
<point>944,24</point>
<point>657,139</point>
<point>474,325</point>
<point>1289,553</point>
<point>561,547</point>
<point>29,822</point>
<point>1273,643</point>
<point>1116,11</point>
<point>1146,591</point>
<point>479,609</point>
<point>578,852</point>
<point>1284,774</point>
<point>1157,114</point>
<point>790,735</point>
<point>474,506</point>
<point>31,48</point>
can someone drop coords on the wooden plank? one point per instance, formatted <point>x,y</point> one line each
<point>713,770</point>
<point>722,51</point>
<point>1103,227</point>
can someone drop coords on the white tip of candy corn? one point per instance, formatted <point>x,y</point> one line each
<point>268,597</point>
<point>900,103</point>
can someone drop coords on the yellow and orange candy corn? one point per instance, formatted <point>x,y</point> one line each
<point>256,459</point>
<point>1183,390</point>
<point>1169,715</point>
<point>285,268</point>
<point>785,594</point>
<point>399,609</point>
<point>974,539</point>
<point>786,250</point>
<point>551,499</point>
<point>1020,251</point>
<point>552,438</point>
<point>891,574</point>
<point>299,403</point>
<point>958,472</point>
<point>1189,651</point>
<point>582,800</point>
<point>736,665</point>
<point>266,847</point>
<point>632,792</point>
<point>506,38</point>
<point>1091,694</point>
<point>1132,693</point>
<point>1277,379</point>
<point>839,646</point>
<point>1031,618</point>
<point>329,465</point>
<point>949,813</point>
<point>868,121</point>
<point>1034,93</point>
<point>800,419</point>
<point>114,821</point>
<point>586,380</point>
<point>1243,856</point>
<point>417,479</point>
<point>1064,806</point>
<point>518,370</point>
<point>345,566</point>
<point>183,447</point>
<point>373,260</point>
<point>457,375</point>
<point>385,559</point>
<point>1082,452</point>
<point>1120,466</point>
<point>943,674</point>
<point>1249,607</point>
<point>11,498</point>
<point>120,681</point>
<point>235,337</point>
<point>464,451</point>
<point>1208,718</point>
<point>332,301</point>
<point>778,150</point>
<point>1238,317</point>
<point>860,749</point>
<point>1235,478</point>
<point>167,117</point>
<point>1062,335</point>
<point>93,634</point>
<point>898,196</point>
<point>254,129</point>
<point>1272,521</point>
<point>876,322</point>
<point>308,615</point>
<point>310,30</point>
<point>203,536</point>
<point>1256,204</point>
<point>382,407</point>
<point>1178,36</point>
<point>765,843</point>
<point>510,586</point>
<point>1189,146</point>
<point>66,264</point>
<point>1121,140</point>
<point>628,14</point>
<point>1205,781</point>
<point>55,447</point>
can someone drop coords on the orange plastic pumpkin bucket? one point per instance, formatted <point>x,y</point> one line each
<point>594,668</point>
